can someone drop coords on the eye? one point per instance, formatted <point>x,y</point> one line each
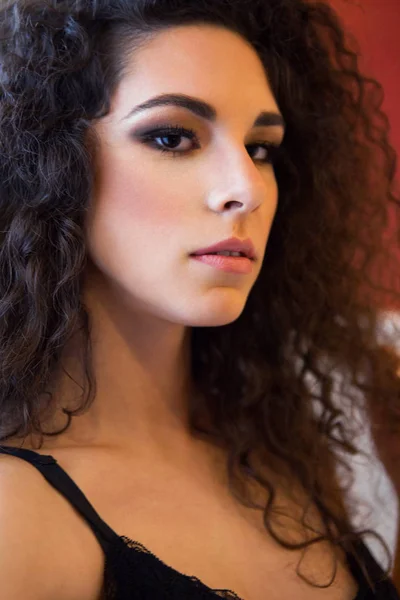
<point>168,139</point>
<point>269,150</point>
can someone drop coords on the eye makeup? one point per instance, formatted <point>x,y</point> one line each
<point>166,131</point>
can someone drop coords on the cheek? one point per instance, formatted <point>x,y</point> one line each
<point>134,210</point>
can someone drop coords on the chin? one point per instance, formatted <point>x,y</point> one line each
<point>216,317</point>
<point>216,322</point>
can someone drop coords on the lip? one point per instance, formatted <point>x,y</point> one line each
<point>229,264</point>
<point>232,245</point>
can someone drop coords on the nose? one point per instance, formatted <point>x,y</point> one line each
<point>240,185</point>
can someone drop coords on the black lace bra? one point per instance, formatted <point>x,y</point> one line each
<point>133,572</point>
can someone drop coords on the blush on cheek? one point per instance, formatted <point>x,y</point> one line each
<point>138,208</point>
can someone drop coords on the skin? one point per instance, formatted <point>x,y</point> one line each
<point>131,452</point>
<point>150,210</point>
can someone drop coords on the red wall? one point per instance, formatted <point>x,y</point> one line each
<point>376,25</point>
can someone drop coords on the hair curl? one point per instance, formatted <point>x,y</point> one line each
<point>314,309</point>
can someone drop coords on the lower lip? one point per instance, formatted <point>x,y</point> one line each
<point>229,264</point>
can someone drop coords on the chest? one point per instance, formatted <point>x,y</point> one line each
<point>199,529</point>
<point>229,553</point>
<point>189,519</point>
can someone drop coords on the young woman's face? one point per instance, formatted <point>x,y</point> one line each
<point>151,210</point>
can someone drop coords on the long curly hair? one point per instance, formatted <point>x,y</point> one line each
<point>314,310</point>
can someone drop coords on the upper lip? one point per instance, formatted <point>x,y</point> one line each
<point>232,245</point>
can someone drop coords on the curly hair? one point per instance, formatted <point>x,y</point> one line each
<point>314,309</point>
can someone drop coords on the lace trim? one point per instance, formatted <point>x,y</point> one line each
<point>117,556</point>
<point>175,585</point>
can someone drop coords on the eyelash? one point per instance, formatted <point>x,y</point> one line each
<point>168,130</point>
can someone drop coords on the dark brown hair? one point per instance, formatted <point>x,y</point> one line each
<point>314,310</point>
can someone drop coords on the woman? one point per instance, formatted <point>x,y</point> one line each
<point>158,388</point>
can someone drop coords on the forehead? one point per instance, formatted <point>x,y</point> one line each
<point>199,60</point>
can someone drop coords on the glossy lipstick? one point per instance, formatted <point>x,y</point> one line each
<point>230,245</point>
<point>230,264</point>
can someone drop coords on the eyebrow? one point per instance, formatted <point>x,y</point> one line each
<point>203,109</point>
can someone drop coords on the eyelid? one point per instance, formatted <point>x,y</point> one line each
<point>162,127</point>
<point>147,132</point>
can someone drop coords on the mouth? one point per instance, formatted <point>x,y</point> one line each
<point>232,247</point>
<point>241,264</point>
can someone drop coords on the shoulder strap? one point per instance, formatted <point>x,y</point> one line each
<point>62,482</point>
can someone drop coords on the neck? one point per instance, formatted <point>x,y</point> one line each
<point>141,368</point>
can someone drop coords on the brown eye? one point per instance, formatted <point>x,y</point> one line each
<point>169,136</point>
<point>270,152</point>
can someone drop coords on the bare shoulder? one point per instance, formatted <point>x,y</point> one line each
<point>46,550</point>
